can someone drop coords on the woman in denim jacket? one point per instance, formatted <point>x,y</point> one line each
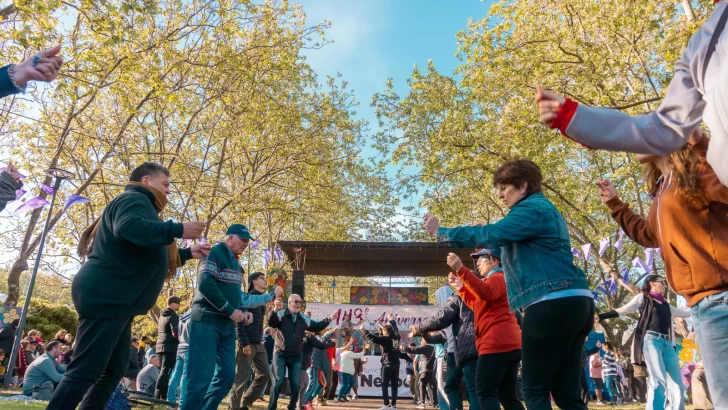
<point>541,279</point>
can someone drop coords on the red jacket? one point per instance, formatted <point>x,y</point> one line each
<point>20,364</point>
<point>496,327</point>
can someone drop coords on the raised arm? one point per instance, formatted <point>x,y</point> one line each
<point>130,218</point>
<point>518,225</point>
<point>636,227</point>
<point>487,289</point>
<point>632,306</point>
<point>446,316</point>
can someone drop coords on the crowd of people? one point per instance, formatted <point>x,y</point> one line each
<point>527,310</point>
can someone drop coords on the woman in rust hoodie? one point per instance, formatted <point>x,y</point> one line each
<point>688,220</point>
<point>497,334</point>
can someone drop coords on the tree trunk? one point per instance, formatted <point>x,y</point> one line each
<point>689,13</point>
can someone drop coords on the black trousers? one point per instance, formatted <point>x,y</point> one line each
<point>168,360</point>
<point>99,362</point>
<point>428,389</point>
<point>584,384</point>
<point>390,378</point>
<point>497,380</point>
<point>553,337</point>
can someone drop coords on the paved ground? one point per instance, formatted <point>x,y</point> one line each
<point>373,404</point>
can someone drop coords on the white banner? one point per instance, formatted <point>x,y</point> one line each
<point>370,382</point>
<point>406,315</point>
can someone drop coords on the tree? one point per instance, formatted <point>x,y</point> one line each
<point>457,129</point>
<point>217,91</point>
<point>49,318</point>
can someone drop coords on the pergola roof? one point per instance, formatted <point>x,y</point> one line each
<point>371,258</point>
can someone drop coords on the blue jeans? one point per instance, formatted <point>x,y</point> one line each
<point>314,384</point>
<point>710,319</point>
<point>347,380</point>
<point>210,365</point>
<point>665,381</point>
<point>612,384</point>
<point>280,365</point>
<point>174,381</point>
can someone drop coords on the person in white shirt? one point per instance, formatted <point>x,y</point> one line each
<point>346,369</point>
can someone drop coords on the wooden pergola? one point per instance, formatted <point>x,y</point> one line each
<point>364,259</point>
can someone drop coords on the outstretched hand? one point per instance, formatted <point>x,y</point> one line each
<point>431,224</point>
<point>606,190</point>
<point>454,261</point>
<point>43,66</point>
<point>549,104</point>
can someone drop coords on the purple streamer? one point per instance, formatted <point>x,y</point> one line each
<point>637,263</point>
<point>603,290</point>
<point>625,275</point>
<point>650,256</point>
<point>31,204</point>
<point>596,295</point>
<point>279,254</point>
<point>613,287</point>
<point>603,245</point>
<point>576,252</point>
<point>19,193</point>
<point>587,251</point>
<point>255,244</point>
<point>266,256</point>
<point>620,241</point>
<point>47,189</point>
<point>73,200</point>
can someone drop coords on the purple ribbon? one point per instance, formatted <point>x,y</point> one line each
<point>255,244</point>
<point>650,256</point>
<point>619,242</point>
<point>587,251</point>
<point>625,275</point>
<point>47,189</point>
<point>31,204</point>
<point>575,252</point>
<point>603,290</point>
<point>19,193</point>
<point>603,245</point>
<point>266,256</point>
<point>73,200</point>
<point>279,254</point>
<point>595,294</point>
<point>637,263</point>
<point>613,287</point>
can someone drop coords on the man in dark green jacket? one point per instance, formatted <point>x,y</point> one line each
<point>217,307</point>
<point>131,254</point>
<point>9,184</point>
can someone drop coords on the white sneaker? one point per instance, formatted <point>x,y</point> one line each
<point>387,407</point>
<point>421,406</point>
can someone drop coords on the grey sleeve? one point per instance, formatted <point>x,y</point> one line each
<point>664,130</point>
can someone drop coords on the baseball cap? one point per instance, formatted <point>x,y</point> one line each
<point>482,252</point>
<point>240,230</point>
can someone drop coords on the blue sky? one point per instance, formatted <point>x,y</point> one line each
<point>374,40</point>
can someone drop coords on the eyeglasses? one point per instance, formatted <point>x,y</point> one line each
<point>662,281</point>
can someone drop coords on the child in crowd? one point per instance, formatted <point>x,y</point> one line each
<point>346,369</point>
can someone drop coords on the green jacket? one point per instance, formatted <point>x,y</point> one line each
<point>536,250</point>
<point>219,288</point>
<point>8,186</point>
<point>42,369</point>
<point>128,263</point>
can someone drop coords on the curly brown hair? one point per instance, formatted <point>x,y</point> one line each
<point>684,169</point>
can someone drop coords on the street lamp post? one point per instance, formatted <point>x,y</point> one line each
<point>59,175</point>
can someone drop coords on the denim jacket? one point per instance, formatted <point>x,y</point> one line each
<point>536,250</point>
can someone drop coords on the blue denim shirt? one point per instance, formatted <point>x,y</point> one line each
<point>536,249</point>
